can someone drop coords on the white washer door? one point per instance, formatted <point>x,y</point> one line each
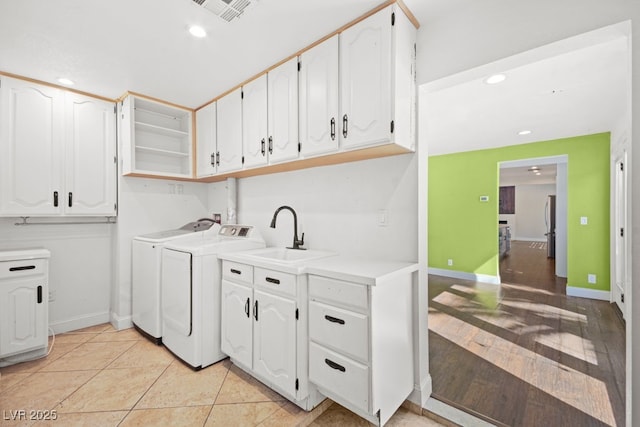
<point>176,291</point>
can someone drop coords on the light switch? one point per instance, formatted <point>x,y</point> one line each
<point>484,198</point>
<point>383,217</point>
<point>583,220</point>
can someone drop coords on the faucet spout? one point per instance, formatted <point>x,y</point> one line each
<point>297,243</point>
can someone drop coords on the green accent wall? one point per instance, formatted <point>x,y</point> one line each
<point>466,230</point>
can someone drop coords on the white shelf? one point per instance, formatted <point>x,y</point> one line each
<point>161,151</point>
<point>161,130</point>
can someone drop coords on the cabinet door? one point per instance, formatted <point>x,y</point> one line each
<point>31,137</point>
<point>23,315</point>
<point>319,75</point>
<point>254,122</point>
<point>283,112</point>
<point>365,77</point>
<point>206,141</point>
<point>90,167</point>
<point>229,132</point>
<point>274,346</point>
<point>236,322</point>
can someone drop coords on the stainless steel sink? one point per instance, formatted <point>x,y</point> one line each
<point>289,256</point>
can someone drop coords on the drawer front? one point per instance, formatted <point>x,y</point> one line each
<point>22,268</point>
<point>237,272</point>
<point>339,375</point>
<point>343,330</point>
<point>275,281</point>
<point>339,292</point>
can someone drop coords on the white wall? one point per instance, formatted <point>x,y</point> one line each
<point>79,268</point>
<point>530,212</point>
<point>473,34</point>
<point>337,207</point>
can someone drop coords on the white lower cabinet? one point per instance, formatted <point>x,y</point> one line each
<point>23,304</point>
<point>361,343</point>
<point>264,331</point>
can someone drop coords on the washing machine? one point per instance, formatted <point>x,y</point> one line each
<point>146,258</point>
<point>191,289</point>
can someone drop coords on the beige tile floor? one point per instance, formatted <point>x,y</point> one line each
<point>98,376</point>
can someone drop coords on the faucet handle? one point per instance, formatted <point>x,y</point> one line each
<point>302,239</point>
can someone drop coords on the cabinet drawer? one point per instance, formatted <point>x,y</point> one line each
<point>339,292</point>
<point>339,375</point>
<point>343,330</point>
<point>275,280</point>
<point>237,272</point>
<point>22,268</point>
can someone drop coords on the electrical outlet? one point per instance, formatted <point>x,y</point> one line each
<point>449,262</point>
<point>52,296</point>
<point>591,278</point>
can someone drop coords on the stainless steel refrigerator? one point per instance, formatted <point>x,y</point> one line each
<point>550,222</point>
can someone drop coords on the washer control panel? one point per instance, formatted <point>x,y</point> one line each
<point>233,230</point>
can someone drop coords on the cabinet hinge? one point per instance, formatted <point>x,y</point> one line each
<point>115,159</point>
<point>622,232</point>
<point>299,65</point>
<point>297,384</point>
<point>621,297</point>
<point>392,126</point>
<point>297,314</point>
<point>622,166</point>
<point>393,19</point>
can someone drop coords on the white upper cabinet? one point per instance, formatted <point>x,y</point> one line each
<point>270,116</point>
<point>319,97</point>
<point>229,132</point>
<point>90,166</point>
<point>206,154</point>
<point>282,143</point>
<point>57,152</point>
<point>255,133</point>
<point>156,138</point>
<point>377,80</point>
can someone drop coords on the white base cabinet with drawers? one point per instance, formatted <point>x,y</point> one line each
<point>264,331</point>
<point>24,290</point>
<point>361,343</point>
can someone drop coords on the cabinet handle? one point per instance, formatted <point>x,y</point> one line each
<point>334,319</point>
<point>23,267</point>
<point>262,145</point>
<point>39,294</point>
<point>333,128</point>
<point>218,159</point>
<point>345,125</point>
<point>246,307</point>
<point>234,271</point>
<point>270,145</point>
<point>272,280</point>
<point>334,365</point>
<point>70,199</point>
<point>213,159</point>
<point>55,199</point>
<point>255,310</point>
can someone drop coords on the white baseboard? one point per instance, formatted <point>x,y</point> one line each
<point>120,322</point>
<point>482,278</point>
<point>529,239</point>
<point>421,392</point>
<point>76,323</point>
<point>573,291</point>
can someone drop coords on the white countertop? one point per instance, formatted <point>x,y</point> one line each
<point>25,253</point>
<point>365,271</point>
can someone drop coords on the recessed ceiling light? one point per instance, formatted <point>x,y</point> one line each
<point>197,31</point>
<point>524,132</point>
<point>494,79</point>
<point>65,81</point>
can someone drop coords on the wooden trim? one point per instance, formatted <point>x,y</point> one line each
<point>377,9</point>
<point>151,98</point>
<point>194,154</point>
<point>165,177</point>
<point>66,88</point>
<point>409,14</point>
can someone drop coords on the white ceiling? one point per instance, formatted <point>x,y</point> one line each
<point>110,47</point>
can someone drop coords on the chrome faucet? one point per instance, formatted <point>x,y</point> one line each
<point>297,243</point>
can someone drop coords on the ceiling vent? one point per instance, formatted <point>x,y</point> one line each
<point>225,9</point>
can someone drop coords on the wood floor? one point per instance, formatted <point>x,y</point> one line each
<point>523,353</point>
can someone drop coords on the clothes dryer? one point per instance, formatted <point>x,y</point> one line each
<point>191,289</point>
<point>146,258</point>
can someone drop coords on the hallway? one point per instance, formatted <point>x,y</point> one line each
<point>523,353</point>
